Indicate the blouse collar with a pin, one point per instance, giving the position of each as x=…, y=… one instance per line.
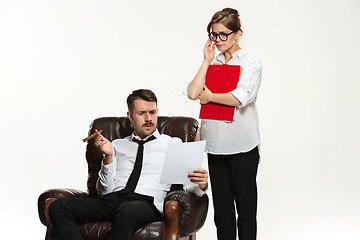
x=239, y=54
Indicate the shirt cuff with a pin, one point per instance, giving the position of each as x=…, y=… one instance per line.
x=195, y=189
x=241, y=95
x=107, y=169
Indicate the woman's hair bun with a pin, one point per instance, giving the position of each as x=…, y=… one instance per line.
x=231, y=11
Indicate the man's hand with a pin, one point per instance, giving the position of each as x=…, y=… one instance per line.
x=200, y=177
x=104, y=146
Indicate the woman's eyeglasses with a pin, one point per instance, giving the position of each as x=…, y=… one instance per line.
x=222, y=36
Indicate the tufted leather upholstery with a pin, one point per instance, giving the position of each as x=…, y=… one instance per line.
x=191, y=209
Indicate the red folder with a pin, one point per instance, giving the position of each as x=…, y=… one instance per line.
x=220, y=79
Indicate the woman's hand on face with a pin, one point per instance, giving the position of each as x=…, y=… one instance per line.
x=209, y=50
x=205, y=96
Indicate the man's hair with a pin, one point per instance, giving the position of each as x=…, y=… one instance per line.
x=144, y=94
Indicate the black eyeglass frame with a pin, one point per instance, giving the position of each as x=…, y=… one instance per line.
x=219, y=35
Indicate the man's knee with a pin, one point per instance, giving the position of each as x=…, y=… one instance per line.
x=125, y=213
x=58, y=208
x=135, y=214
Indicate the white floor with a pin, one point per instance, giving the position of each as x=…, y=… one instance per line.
x=29, y=227
x=296, y=227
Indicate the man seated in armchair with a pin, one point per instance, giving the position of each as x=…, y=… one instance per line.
x=128, y=182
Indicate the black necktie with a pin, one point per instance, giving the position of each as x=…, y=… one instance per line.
x=135, y=174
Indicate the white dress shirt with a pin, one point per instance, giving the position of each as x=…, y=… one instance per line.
x=114, y=176
x=242, y=134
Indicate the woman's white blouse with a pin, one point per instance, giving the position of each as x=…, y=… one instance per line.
x=242, y=134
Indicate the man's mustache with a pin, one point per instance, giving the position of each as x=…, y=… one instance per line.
x=148, y=124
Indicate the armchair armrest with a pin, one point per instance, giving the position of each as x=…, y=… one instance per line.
x=56, y=193
x=192, y=210
x=172, y=212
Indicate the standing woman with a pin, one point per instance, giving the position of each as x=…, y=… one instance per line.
x=232, y=147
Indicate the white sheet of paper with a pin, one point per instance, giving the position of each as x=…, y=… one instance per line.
x=182, y=158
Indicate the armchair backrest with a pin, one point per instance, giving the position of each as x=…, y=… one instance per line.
x=119, y=127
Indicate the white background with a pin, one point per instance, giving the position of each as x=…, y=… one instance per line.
x=65, y=63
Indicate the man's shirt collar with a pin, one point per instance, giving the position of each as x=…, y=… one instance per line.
x=155, y=133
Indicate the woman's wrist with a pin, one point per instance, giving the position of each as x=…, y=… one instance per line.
x=206, y=62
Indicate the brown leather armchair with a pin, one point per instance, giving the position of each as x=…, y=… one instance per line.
x=184, y=212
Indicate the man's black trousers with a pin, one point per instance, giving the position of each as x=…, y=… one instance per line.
x=127, y=212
